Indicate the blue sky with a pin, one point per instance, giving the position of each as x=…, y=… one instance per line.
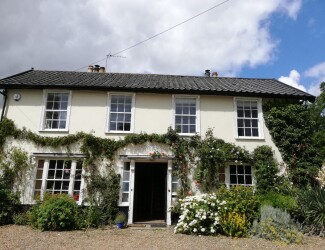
x=282, y=39
x=301, y=44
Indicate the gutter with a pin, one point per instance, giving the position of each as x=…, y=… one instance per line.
x=4, y=93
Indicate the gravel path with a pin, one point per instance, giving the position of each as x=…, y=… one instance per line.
x=22, y=237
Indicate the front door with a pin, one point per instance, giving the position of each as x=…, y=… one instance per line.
x=149, y=191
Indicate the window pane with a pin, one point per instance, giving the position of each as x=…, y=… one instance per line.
x=240, y=132
x=38, y=184
x=254, y=113
x=51, y=174
x=126, y=176
x=127, y=126
x=247, y=113
x=233, y=179
x=240, y=113
x=248, y=169
x=254, y=123
x=247, y=123
x=232, y=169
x=125, y=197
x=241, y=179
x=240, y=169
x=77, y=185
x=125, y=186
x=174, y=187
x=113, y=107
x=39, y=174
x=192, y=129
x=128, y=117
x=50, y=185
x=254, y=105
x=248, y=132
x=240, y=104
x=240, y=122
x=255, y=131
x=248, y=180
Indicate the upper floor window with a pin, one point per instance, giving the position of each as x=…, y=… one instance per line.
x=248, y=118
x=56, y=111
x=120, y=113
x=58, y=176
x=186, y=111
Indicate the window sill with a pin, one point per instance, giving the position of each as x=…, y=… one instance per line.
x=125, y=204
x=188, y=135
x=250, y=138
x=54, y=131
x=118, y=132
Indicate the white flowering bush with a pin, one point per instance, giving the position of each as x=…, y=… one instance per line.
x=200, y=214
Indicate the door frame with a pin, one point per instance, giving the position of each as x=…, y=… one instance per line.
x=168, y=188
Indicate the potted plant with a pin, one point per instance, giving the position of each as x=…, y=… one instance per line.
x=120, y=219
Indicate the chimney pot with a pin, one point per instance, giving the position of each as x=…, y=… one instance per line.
x=102, y=70
x=90, y=68
x=96, y=68
x=215, y=74
x=207, y=73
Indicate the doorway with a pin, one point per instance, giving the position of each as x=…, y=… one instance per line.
x=150, y=192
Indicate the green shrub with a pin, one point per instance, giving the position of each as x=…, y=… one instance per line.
x=242, y=200
x=8, y=206
x=57, y=212
x=234, y=224
x=266, y=169
x=20, y=219
x=312, y=207
x=276, y=225
x=241, y=210
x=90, y=217
x=284, y=202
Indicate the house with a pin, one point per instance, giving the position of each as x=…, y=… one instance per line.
x=112, y=105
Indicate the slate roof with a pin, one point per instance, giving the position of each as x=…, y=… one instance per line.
x=153, y=83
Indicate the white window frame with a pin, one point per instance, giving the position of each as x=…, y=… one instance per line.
x=121, y=203
x=43, y=115
x=198, y=120
x=44, y=178
x=107, y=126
x=177, y=182
x=260, y=122
x=227, y=174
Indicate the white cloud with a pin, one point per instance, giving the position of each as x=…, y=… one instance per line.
x=317, y=73
x=69, y=34
x=293, y=80
x=291, y=7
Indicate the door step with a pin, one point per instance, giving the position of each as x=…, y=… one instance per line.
x=148, y=226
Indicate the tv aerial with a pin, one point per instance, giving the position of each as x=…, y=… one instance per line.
x=110, y=56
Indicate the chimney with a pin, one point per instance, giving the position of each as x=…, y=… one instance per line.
x=102, y=70
x=207, y=73
x=96, y=68
x=214, y=74
x=90, y=68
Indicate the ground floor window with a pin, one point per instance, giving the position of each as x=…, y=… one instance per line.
x=59, y=176
x=240, y=175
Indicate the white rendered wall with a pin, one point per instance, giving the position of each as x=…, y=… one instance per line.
x=153, y=114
